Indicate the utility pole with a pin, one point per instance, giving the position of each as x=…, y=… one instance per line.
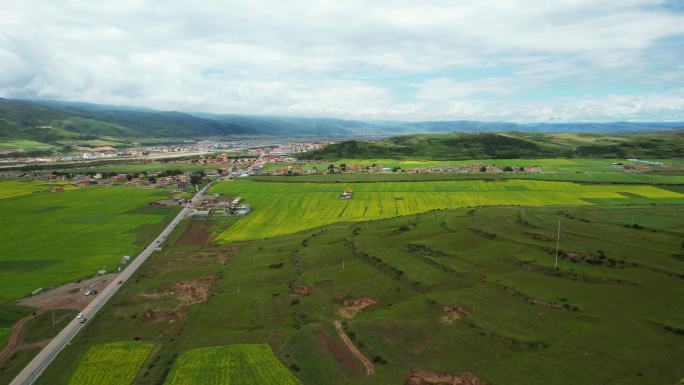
x=557, y=244
x=523, y=214
x=238, y=286
x=343, y=263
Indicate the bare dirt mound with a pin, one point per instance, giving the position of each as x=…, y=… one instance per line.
x=354, y=306
x=453, y=313
x=302, y=290
x=424, y=377
x=370, y=368
x=186, y=292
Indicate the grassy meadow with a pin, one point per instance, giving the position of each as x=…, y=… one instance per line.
x=115, y=363
x=285, y=208
x=596, y=320
x=242, y=364
x=24, y=145
x=52, y=238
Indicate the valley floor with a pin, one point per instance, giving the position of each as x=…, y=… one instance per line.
x=469, y=292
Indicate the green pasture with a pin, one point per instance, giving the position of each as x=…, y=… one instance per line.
x=286, y=208
x=547, y=165
x=115, y=363
x=52, y=238
x=612, y=313
x=24, y=145
x=583, y=177
x=139, y=167
x=230, y=365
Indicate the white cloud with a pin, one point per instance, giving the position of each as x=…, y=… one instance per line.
x=316, y=57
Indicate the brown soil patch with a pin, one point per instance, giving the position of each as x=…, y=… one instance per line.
x=302, y=290
x=453, y=313
x=68, y=296
x=354, y=306
x=186, y=292
x=370, y=369
x=197, y=233
x=424, y=377
x=341, y=353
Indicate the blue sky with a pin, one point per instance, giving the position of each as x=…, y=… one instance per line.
x=522, y=60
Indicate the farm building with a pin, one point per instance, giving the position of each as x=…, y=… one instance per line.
x=346, y=194
x=243, y=210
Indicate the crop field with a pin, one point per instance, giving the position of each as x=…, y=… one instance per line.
x=547, y=165
x=139, y=167
x=470, y=289
x=230, y=365
x=52, y=238
x=671, y=179
x=285, y=208
x=115, y=363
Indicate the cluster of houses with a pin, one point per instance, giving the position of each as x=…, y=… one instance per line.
x=286, y=149
x=218, y=205
x=477, y=168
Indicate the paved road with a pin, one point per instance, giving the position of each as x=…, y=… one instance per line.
x=36, y=367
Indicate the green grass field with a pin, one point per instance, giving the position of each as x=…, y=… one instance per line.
x=669, y=179
x=230, y=365
x=285, y=208
x=52, y=238
x=547, y=165
x=557, y=165
x=139, y=167
x=115, y=363
x=24, y=145
x=611, y=314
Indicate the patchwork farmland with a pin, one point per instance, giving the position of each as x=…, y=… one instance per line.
x=448, y=292
x=285, y=208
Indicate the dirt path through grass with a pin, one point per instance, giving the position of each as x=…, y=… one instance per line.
x=370, y=369
x=15, y=338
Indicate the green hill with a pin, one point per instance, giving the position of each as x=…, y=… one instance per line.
x=661, y=144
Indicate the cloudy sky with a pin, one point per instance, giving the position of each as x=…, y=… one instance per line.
x=523, y=60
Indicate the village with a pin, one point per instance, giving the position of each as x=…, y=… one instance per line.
x=298, y=169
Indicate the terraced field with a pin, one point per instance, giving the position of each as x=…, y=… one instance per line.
x=52, y=238
x=115, y=363
x=285, y=208
x=230, y=365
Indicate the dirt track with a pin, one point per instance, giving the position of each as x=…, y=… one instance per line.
x=370, y=368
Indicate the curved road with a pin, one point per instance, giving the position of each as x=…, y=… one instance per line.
x=41, y=361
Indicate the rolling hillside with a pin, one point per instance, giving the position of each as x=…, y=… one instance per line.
x=660, y=144
x=62, y=123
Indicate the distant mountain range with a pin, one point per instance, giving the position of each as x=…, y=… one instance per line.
x=61, y=122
